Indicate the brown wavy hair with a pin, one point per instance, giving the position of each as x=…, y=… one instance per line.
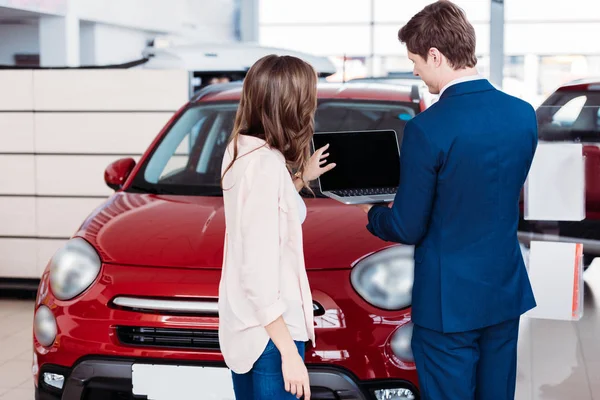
x=278, y=104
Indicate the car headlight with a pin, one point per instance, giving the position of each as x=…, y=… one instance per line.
x=44, y=326
x=385, y=279
x=73, y=269
x=401, y=343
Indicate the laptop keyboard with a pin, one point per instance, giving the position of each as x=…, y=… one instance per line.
x=365, y=192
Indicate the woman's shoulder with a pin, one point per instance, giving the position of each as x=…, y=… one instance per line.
x=255, y=159
x=265, y=161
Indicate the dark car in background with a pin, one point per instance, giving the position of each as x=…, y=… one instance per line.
x=572, y=114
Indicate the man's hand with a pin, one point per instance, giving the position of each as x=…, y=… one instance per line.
x=365, y=207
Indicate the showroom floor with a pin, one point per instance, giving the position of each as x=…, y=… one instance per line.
x=557, y=360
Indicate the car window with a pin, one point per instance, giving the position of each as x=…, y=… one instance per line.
x=336, y=116
x=570, y=116
x=567, y=114
x=188, y=158
x=185, y=153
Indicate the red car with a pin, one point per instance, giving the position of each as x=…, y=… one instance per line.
x=133, y=294
x=572, y=114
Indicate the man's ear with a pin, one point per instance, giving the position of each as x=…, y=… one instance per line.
x=435, y=56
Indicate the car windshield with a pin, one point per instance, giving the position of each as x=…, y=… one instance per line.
x=187, y=161
x=570, y=115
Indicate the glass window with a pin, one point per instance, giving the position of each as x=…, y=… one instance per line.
x=186, y=153
x=188, y=159
x=314, y=11
x=334, y=116
x=386, y=39
x=319, y=40
x=402, y=11
x=570, y=116
x=519, y=10
x=567, y=114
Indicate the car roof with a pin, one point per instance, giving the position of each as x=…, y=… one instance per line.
x=326, y=91
x=581, y=85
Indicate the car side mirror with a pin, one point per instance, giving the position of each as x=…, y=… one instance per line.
x=117, y=173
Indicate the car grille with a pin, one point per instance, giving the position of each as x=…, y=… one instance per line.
x=171, y=338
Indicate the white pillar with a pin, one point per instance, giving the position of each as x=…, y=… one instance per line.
x=531, y=78
x=87, y=43
x=248, y=20
x=59, y=41
x=497, y=42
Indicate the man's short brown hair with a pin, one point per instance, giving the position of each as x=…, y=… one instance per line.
x=442, y=25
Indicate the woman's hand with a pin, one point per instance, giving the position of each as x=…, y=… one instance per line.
x=317, y=165
x=295, y=375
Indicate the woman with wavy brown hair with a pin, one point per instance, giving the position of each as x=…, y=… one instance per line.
x=265, y=303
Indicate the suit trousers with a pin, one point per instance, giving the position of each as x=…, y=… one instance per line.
x=474, y=365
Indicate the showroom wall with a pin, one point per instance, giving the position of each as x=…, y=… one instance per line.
x=66, y=32
x=60, y=130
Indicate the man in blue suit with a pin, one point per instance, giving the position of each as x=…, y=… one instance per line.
x=463, y=164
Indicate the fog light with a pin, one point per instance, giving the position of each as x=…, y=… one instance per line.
x=55, y=380
x=34, y=365
x=401, y=343
x=44, y=326
x=394, y=394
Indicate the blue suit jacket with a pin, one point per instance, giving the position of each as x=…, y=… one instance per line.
x=463, y=164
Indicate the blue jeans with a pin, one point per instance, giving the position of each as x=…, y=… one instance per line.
x=265, y=380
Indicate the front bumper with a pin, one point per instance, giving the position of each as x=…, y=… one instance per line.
x=105, y=379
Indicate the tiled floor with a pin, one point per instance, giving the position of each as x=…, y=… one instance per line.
x=16, y=382
x=557, y=360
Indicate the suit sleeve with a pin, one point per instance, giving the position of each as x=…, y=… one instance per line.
x=260, y=269
x=407, y=221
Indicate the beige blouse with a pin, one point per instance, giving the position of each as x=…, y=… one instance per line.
x=264, y=275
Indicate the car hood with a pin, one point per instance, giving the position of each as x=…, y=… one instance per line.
x=188, y=231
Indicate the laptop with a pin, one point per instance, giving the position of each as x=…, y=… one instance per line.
x=367, y=166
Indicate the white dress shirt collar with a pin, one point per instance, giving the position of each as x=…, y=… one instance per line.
x=461, y=80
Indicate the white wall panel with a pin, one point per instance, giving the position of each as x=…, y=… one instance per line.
x=73, y=112
x=17, y=90
x=123, y=133
x=18, y=258
x=26, y=258
x=16, y=132
x=60, y=217
x=17, y=216
x=45, y=250
x=17, y=174
x=72, y=175
x=110, y=90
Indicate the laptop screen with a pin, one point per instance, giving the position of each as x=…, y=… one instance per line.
x=365, y=160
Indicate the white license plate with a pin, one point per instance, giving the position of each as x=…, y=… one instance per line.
x=167, y=382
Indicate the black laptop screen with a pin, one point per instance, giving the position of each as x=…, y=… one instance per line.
x=365, y=160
